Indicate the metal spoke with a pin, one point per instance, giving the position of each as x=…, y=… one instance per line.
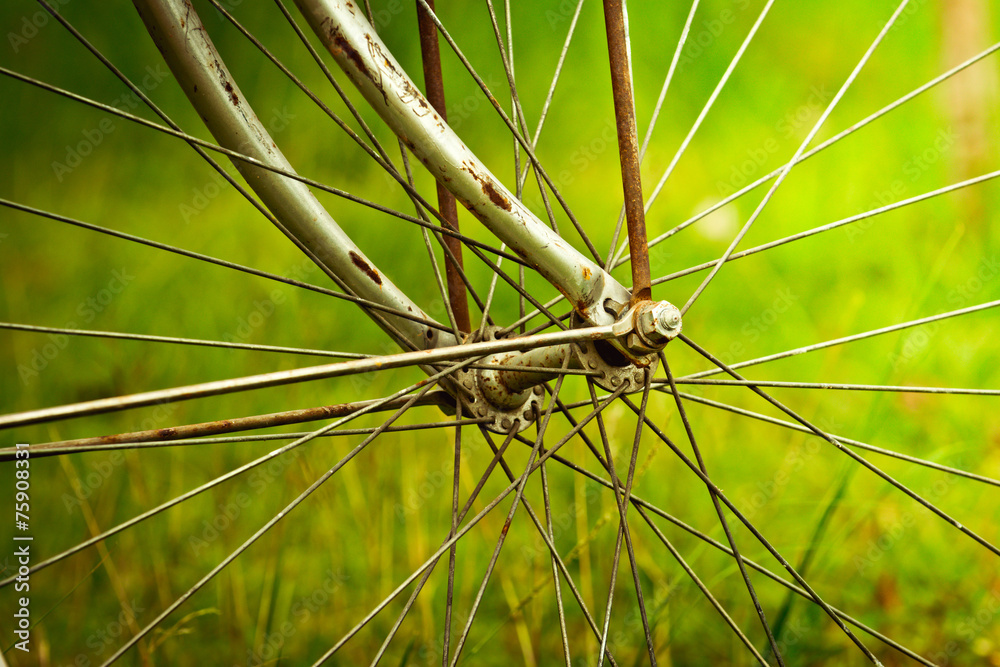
x=507, y=60
x=524, y=319
x=232, y=425
x=454, y=527
x=218, y=387
x=615, y=487
x=357, y=412
x=241, y=157
x=273, y=521
x=508, y=64
x=850, y=452
x=149, y=103
x=447, y=245
x=7, y=454
x=520, y=290
x=486, y=320
x=522, y=482
x=619, y=55
x=845, y=339
x=427, y=573
x=378, y=153
x=753, y=529
x=555, y=568
x=498, y=458
x=446, y=216
x=545, y=534
x=450, y=245
x=847, y=387
x=518, y=183
x=681, y=41
x=795, y=158
x=704, y=111
x=221, y=262
x=434, y=88
x=701, y=586
x=794, y=237
x=449, y=307
x=517, y=135
x=552, y=88
x=847, y=441
x=336, y=86
x=826, y=144
x=381, y=157
x=833, y=225
x=180, y=341
x=623, y=526
x=722, y=518
x=643, y=506
x=465, y=529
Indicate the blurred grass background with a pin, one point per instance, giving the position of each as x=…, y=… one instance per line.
x=297, y=590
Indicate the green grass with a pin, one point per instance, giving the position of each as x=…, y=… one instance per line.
x=300, y=587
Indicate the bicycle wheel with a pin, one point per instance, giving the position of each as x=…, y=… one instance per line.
x=854, y=472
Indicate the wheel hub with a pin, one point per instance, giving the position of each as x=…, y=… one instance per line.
x=507, y=388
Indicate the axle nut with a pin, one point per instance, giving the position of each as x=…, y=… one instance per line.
x=658, y=323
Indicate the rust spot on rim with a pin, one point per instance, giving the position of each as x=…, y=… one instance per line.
x=341, y=43
x=360, y=262
x=489, y=189
x=232, y=96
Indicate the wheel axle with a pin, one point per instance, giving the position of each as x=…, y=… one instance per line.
x=510, y=392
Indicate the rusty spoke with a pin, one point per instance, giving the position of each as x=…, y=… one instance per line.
x=434, y=89
x=628, y=147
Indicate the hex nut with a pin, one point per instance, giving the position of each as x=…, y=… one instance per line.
x=658, y=323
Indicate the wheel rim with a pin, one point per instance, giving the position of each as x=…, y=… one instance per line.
x=789, y=637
